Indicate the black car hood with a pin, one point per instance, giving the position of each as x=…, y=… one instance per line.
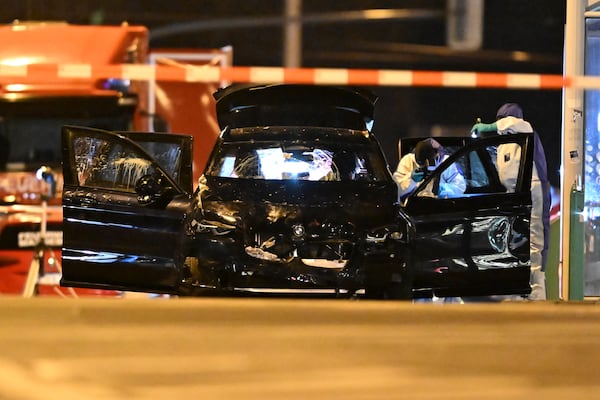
x=257, y=201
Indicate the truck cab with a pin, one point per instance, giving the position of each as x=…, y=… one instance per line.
x=34, y=107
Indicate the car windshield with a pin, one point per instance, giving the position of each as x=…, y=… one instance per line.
x=309, y=160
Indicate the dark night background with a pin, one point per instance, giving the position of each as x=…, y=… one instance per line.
x=254, y=31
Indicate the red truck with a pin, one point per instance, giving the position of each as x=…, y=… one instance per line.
x=33, y=112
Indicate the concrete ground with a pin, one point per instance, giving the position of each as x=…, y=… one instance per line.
x=248, y=348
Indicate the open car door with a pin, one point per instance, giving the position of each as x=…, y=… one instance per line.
x=124, y=200
x=474, y=243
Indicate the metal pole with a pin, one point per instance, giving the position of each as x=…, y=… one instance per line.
x=293, y=34
x=572, y=136
x=464, y=24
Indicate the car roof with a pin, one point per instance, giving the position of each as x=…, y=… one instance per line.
x=240, y=106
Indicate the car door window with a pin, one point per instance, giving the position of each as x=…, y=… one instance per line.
x=486, y=170
x=167, y=155
x=109, y=164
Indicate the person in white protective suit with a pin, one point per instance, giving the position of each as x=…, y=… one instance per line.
x=412, y=168
x=509, y=119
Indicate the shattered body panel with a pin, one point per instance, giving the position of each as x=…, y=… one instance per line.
x=292, y=202
x=306, y=235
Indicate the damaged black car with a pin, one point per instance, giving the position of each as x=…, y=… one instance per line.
x=296, y=198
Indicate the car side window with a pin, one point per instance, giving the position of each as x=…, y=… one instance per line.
x=449, y=182
x=486, y=170
x=167, y=155
x=110, y=165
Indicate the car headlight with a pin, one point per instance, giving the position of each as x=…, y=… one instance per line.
x=390, y=232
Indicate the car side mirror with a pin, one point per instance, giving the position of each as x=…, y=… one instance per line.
x=151, y=189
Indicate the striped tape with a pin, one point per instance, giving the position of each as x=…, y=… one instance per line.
x=46, y=73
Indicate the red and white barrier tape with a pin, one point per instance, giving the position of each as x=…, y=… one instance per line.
x=327, y=76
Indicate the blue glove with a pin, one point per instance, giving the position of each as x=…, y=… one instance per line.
x=417, y=175
x=481, y=128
